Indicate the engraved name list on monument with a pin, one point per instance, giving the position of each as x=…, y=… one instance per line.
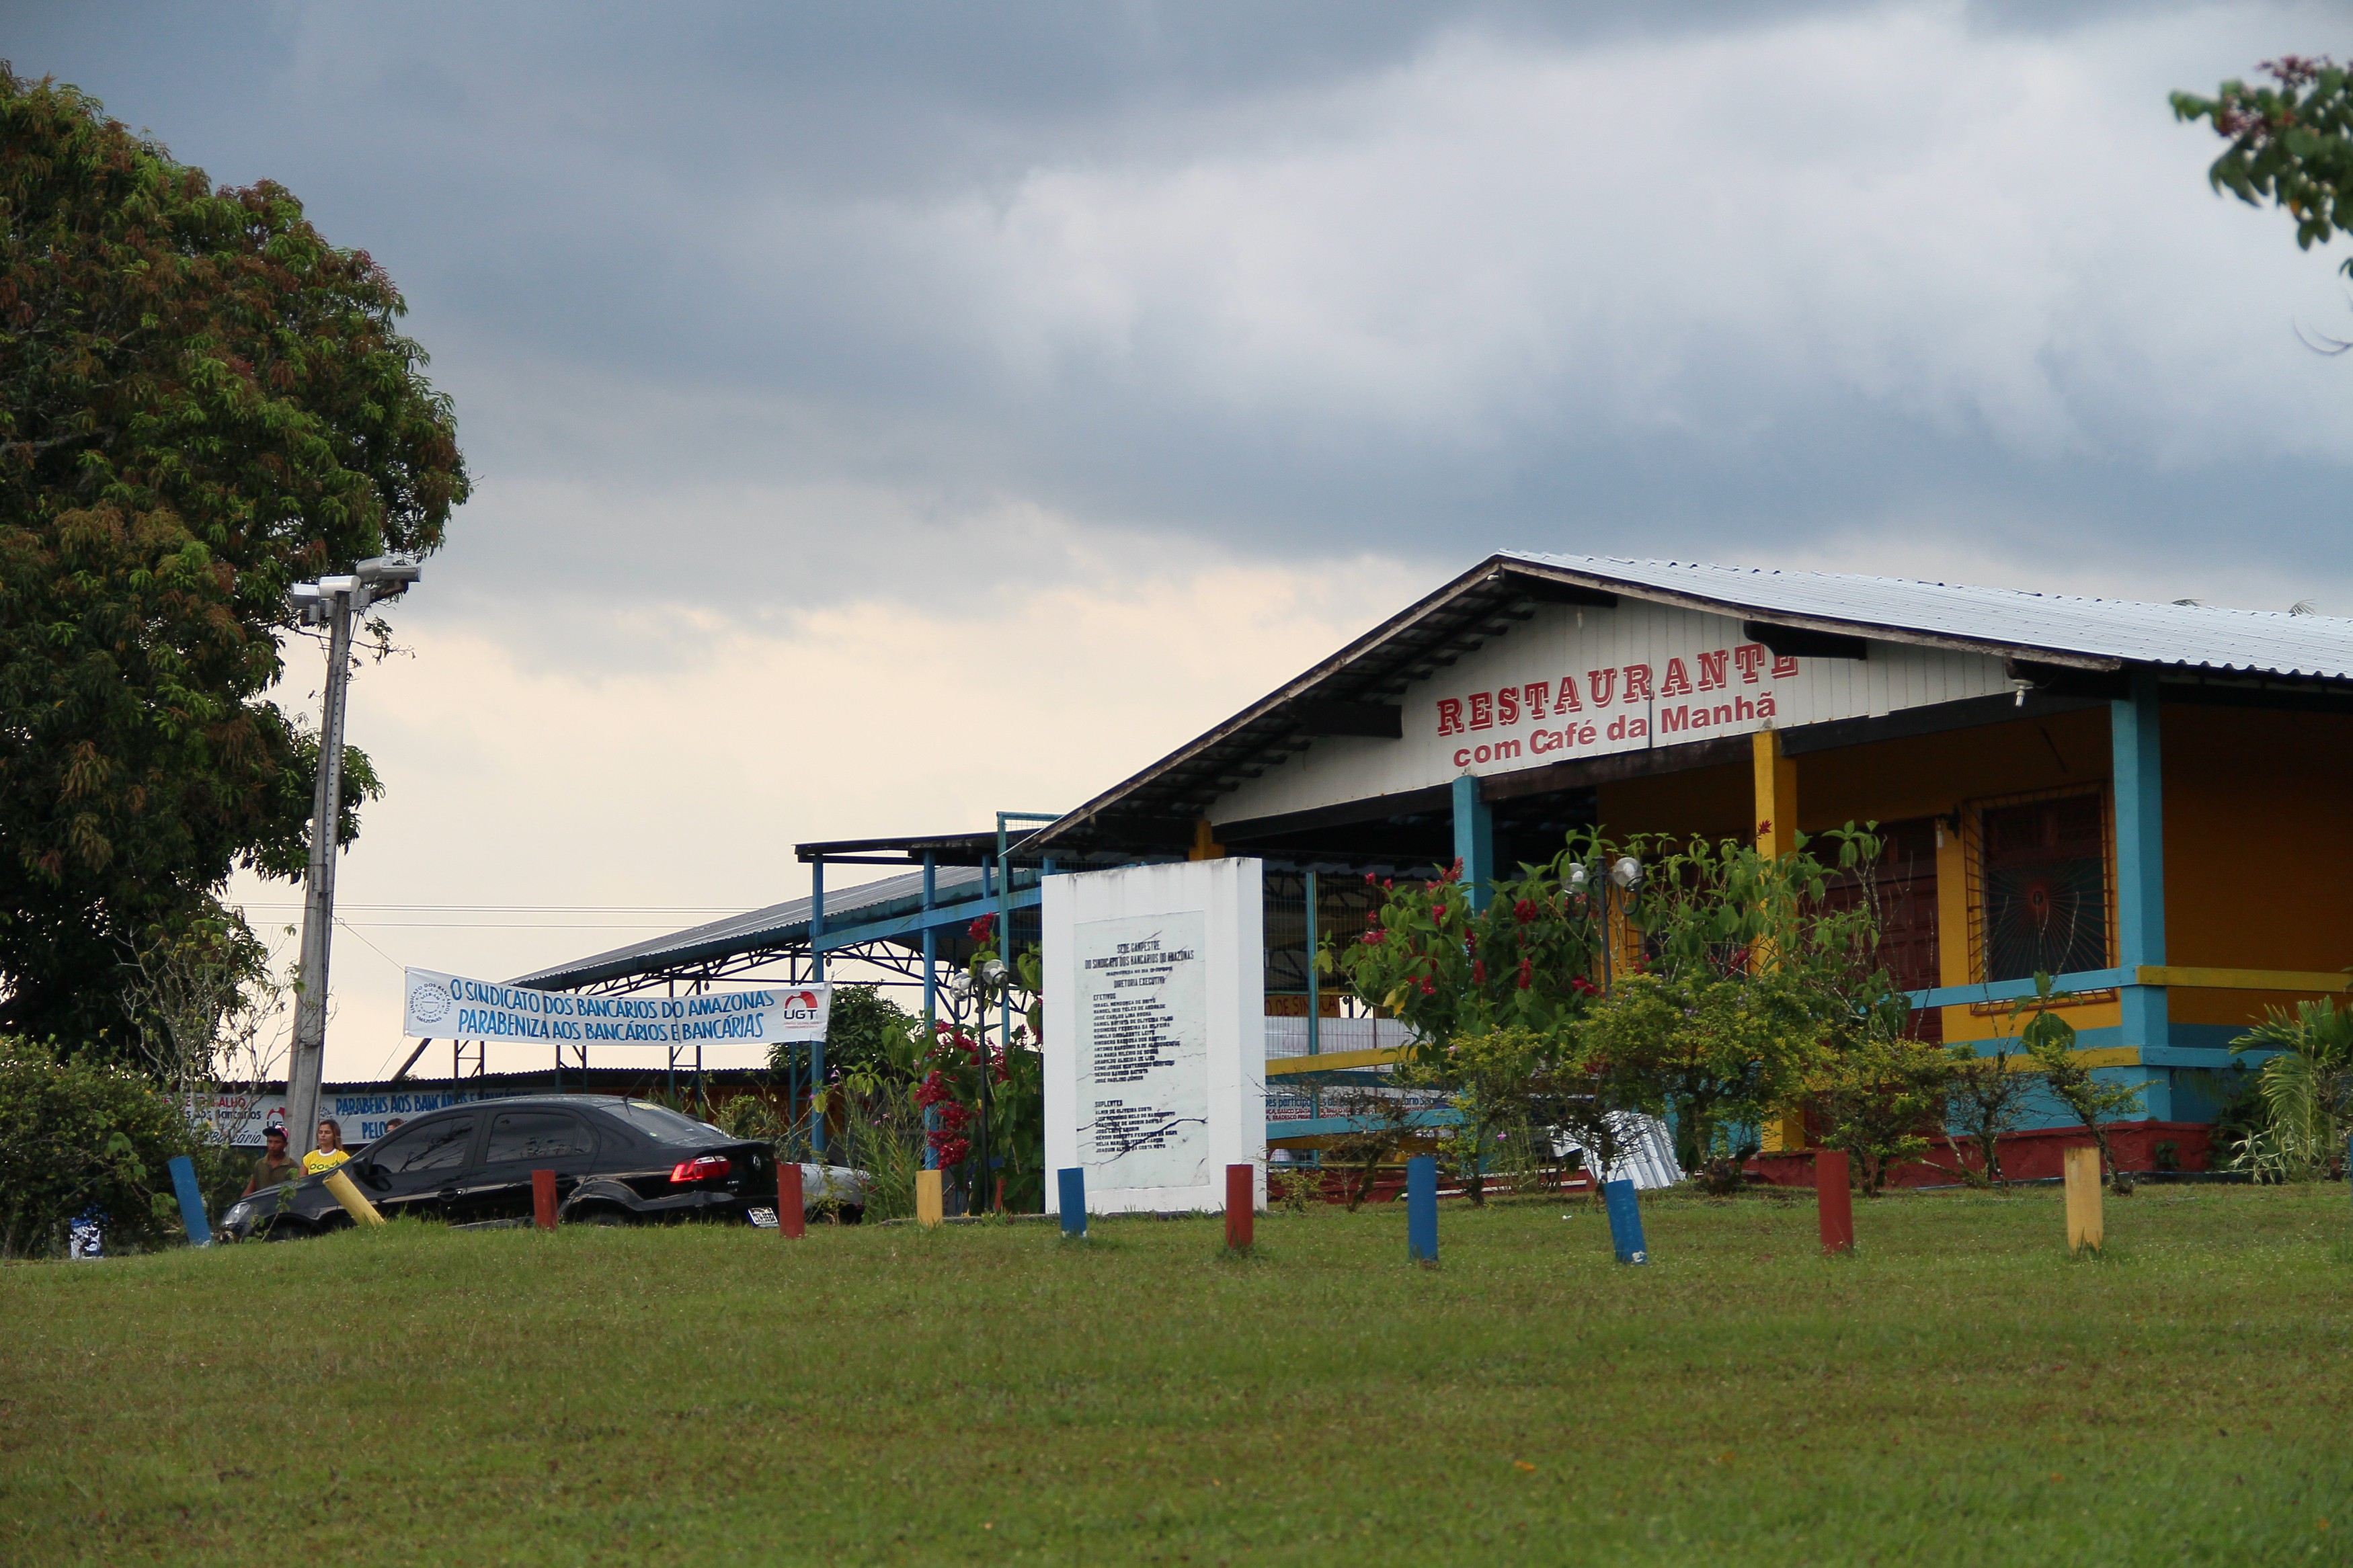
x=1143, y=1069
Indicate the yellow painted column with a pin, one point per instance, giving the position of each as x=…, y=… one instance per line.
x=1775, y=816
x=346, y=1191
x=1777, y=796
x=1952, y=919
x=1205, y=844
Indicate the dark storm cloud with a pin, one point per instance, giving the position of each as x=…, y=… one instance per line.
x=1294, y=280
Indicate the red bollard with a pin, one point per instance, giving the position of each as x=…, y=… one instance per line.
x=1835, y=1202
x=1241, y=1205
x=542, y=1199
x=792, y=1214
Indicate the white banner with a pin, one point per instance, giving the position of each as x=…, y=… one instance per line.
x=452, y=1007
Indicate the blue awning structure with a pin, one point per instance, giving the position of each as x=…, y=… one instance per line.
x=883, y=921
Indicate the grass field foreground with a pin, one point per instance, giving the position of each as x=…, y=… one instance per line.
x=1960, y=1392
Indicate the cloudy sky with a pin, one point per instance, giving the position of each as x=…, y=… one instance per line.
x=884, y=414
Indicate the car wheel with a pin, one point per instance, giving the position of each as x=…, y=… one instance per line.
x=605, y=1217
x=283, y=1230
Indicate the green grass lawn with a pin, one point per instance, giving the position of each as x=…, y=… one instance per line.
x=1959, y=1393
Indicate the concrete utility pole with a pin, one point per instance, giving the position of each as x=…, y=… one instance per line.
x=331, y=602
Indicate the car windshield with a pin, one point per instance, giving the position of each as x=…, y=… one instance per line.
x=664, y=1125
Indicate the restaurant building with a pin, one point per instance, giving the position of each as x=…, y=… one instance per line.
x=2148, y=801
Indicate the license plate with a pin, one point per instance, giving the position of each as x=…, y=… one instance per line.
x=765, y=1218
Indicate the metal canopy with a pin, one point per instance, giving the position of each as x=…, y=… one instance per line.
x=778, y=931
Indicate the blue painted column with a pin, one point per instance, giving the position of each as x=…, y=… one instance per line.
x=816, y=1048
x=1625, y=1208
x=2140, y=856
x=1421, y=1208
x=1474, y=839
x=191, y=1201
x=931, y=991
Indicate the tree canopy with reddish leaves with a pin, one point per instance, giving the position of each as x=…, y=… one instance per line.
x=2290, y=143
x=202, y=402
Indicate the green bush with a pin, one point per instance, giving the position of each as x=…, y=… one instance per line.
x=77, y=1135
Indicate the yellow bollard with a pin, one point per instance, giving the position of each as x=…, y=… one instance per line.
x=354, y=1202
x=2084, y=1225
x=930, y=1209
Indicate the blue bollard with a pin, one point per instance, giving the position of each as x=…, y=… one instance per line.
x=1625, y=1221
x=191, y=1201
x=1421, y=1208
x=1073, y=1202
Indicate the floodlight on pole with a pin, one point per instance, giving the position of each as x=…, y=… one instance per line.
x=331, y=602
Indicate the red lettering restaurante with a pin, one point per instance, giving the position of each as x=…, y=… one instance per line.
x=1718, y=670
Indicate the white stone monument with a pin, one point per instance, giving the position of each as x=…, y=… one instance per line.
x=1155, y=1033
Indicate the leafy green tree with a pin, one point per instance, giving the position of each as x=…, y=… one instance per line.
x=2049, y=1042
x=1733, y=975
x=2290, y=143
x=202, y=402
x=1877, y=1094
x=1716, y=1054
x=1448, y=971
x=866, y=1033
x=1748, y=977
x=1988, y=1096
x=1487, y=1079
x=80, y=1135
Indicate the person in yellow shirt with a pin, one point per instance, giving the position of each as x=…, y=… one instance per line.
x=330, y=1152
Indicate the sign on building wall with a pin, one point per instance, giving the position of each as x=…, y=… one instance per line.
x=452, y=1007
x=1156, y=1040
x=1582, y=682
x=363, y=1115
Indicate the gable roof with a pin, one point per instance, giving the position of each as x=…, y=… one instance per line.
x=1349, y=692
x=2011, y=622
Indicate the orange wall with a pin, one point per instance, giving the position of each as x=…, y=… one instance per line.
x=2258, y=859
x=1931, y=776
x=1710, y=802
x=2258, y=828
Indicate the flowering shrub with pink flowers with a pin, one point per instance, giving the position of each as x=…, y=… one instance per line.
x=969, y=1070
x=1530, y=960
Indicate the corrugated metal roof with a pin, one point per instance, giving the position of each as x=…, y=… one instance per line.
x=2189, y=636
x=774, y=926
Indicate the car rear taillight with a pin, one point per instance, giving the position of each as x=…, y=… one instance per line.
x=708, y=1168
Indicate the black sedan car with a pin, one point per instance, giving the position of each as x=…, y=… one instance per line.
x=617, y=1162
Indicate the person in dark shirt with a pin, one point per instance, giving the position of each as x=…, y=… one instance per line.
x=276, y=1166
